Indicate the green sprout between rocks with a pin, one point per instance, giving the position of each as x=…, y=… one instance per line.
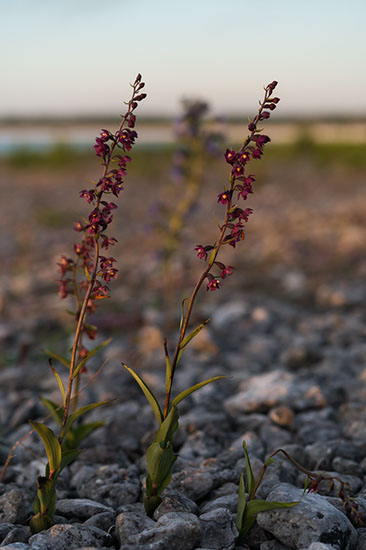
x=249, y=507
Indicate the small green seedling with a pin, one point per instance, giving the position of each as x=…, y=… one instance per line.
x=249, y=508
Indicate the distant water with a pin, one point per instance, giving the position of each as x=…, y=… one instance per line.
x=82, y=136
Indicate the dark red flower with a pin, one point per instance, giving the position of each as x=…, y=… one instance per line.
x=224, y=197
x=230, y=156
x=78, y=226
x=64, y=289
x=201, y=252
x=257, y=154
x=243, y=157
x=238, y=169
x=89, y=195
x=226, y=271
x=105, y=136
x=101, y=148
x=109, y=274
x=65, y=264
x=272, y=85
x=213, y=284
x=106, y=263
x=108, y=241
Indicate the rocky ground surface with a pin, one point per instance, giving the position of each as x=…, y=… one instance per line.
x=288, y=329
x=297, y=382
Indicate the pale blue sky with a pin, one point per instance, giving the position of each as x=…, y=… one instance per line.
x=78, y=56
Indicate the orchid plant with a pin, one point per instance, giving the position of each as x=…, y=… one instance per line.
x=85, y=278
x=160, y=455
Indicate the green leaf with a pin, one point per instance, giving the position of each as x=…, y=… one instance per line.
x=91, y=353
x=75, y=415
x=36, y=505
x=256, y=506
x=59, y=358
x=306, y=484
x=246, y=527
x=232, y=209
x=217, y=223
x=190, y=336
x=67, y=457
x=187, y=392
x=52, y=407
x=51, y=445
x=250, y=476
x=168, y=426
x=213, y=254
x=160, y=462
x=253, y=508
x=242, y=502
x=46, y=493
x=87, y=274
x=59, y=381
x=270, y=461
x=148, y=394
x=168, y=369
x=182, y=313
x=83, y=431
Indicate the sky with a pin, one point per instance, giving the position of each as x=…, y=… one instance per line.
x=77, y=57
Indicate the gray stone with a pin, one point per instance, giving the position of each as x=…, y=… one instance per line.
x=76, y=535
x=228, y=313
x=130, y=523
x=313, y=520
x=195, y=483
x=5, y=528
x=219, y=530
x=300, y=354
x=16, y=546
x=320, y=546
x=19, y=533
x=112, y=486
x=273, y=545
x=80, y=508
x=103, y=521
x=174, y=530
x=12, y=507
x=227, y=501
x=361, y=541
x=261, y=393
x=174, y=501
x=346, y=466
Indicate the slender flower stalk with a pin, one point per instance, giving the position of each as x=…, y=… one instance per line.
x=252, y=148
x=100, y=218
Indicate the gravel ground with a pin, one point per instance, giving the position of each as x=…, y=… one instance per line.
x=288, y=328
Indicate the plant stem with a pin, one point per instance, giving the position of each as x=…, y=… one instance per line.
x=93, y=275
x=217, y=247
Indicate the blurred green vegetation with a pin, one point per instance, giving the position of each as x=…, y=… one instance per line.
x=150, y=160
x=58, y=156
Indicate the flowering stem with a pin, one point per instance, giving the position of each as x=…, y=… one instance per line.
x=77, y=336
x=90, y=287
x=192, y=301
x=251, y=137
